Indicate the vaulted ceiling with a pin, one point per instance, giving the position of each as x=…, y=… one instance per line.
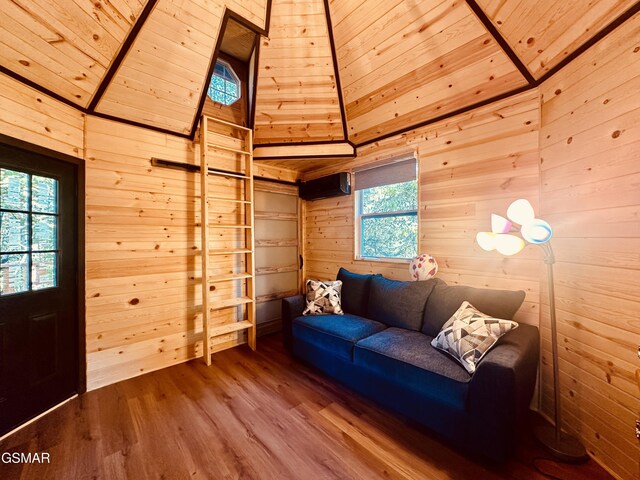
x=329, y=70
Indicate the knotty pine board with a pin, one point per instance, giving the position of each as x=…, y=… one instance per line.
x=590, y=174
x=36, y=118
x=543, y=33
x=66, y=46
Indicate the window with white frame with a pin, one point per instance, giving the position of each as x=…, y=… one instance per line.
x=387, y=211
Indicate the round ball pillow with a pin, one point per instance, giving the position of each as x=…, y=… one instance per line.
x=423, y=267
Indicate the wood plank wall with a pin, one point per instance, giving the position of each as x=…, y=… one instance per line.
x=590, y=191
x=142, y=253
x=470, y=166
x=31, y=116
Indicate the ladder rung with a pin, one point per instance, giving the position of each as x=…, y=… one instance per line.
x=234, y=302
x=227, y=252
x=234, y=125
x=232, y=200
x=275, y=216
x=223, y=135
x=228, y=149
x=229, y=328
x=228, y=225
x=228, y=277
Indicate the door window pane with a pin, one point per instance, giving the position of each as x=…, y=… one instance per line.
x=43, y=270
x=14, y=190
x=44, y=194
x=28, y=232
x=14, y=273
x=14, y=232
x=43, y=232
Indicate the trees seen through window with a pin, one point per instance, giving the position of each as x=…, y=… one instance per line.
x=225, y=85
x=388, y=217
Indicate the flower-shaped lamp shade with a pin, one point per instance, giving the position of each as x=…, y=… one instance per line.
x=536, y=231
x=509, y=244
x=486, y=240
x=500, y=224
x=423, y=267
x=504, y=243
x=521, y=212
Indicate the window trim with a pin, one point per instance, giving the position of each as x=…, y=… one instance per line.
x=358, y=208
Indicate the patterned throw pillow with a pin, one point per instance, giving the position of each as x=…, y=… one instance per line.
x=469, y=334
x=323, y=298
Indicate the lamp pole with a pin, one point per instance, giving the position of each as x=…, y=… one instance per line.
x=536, y=231
x=564, y=447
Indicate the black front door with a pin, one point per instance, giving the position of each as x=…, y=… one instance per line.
x=38, y=285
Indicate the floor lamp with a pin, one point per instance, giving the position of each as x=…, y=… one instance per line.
x=520, y=213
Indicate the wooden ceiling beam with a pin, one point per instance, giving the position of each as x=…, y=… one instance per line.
x=497, y=36
x=336, y=73
x=333, y=149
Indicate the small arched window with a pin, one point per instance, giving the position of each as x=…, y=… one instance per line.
x=225, y=85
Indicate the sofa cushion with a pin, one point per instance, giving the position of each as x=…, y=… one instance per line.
x=445, y=300
x=407, y=358
x=323, y=298
x=355, y=292
x=398, y=304
x=469, y=334
x=335, y=333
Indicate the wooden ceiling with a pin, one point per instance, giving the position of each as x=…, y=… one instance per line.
x=65, y=47
x=544, y=32
x=402, y=60
x=238, y=41
x=162, y=78
x=329, y=70
x=297, y=96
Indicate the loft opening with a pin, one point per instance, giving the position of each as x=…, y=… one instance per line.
x=229, y=90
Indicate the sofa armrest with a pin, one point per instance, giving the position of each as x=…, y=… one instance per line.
x=502, y=386
x=292, y=307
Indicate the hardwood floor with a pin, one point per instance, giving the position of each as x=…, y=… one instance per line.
x=261, y=415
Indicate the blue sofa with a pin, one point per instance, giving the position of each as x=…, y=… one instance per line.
x=381, y=348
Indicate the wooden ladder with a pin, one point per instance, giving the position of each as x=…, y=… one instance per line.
x=226, y=184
